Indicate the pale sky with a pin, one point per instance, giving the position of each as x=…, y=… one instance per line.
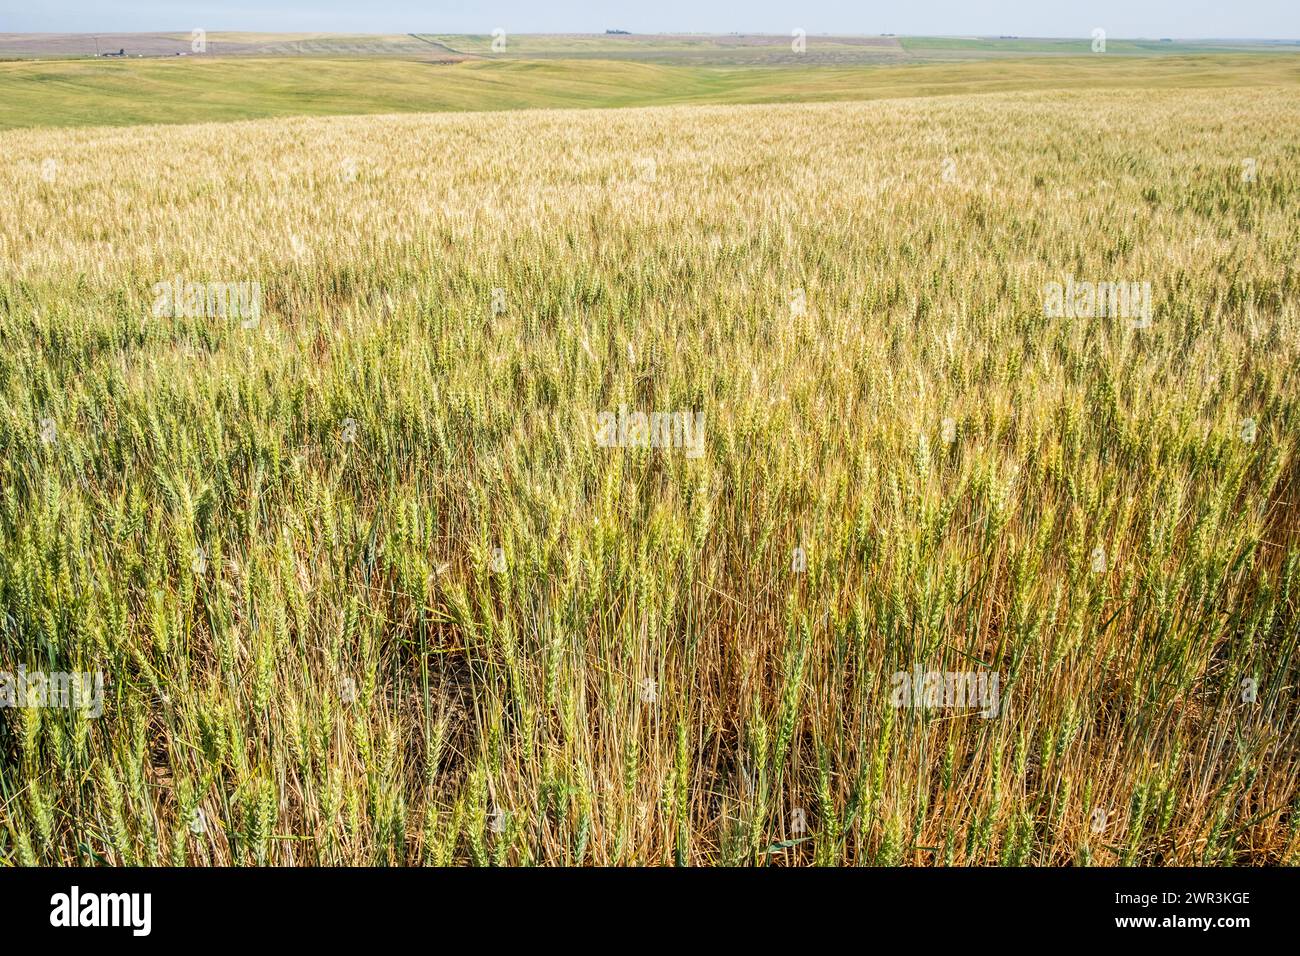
x=1182, y=19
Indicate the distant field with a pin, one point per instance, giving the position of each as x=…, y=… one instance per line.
x=692, y=49
x=77, y=45
x=103, y=92
x=971, y=47
x=688, y=49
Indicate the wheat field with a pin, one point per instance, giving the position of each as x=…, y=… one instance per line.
x=365, y=586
